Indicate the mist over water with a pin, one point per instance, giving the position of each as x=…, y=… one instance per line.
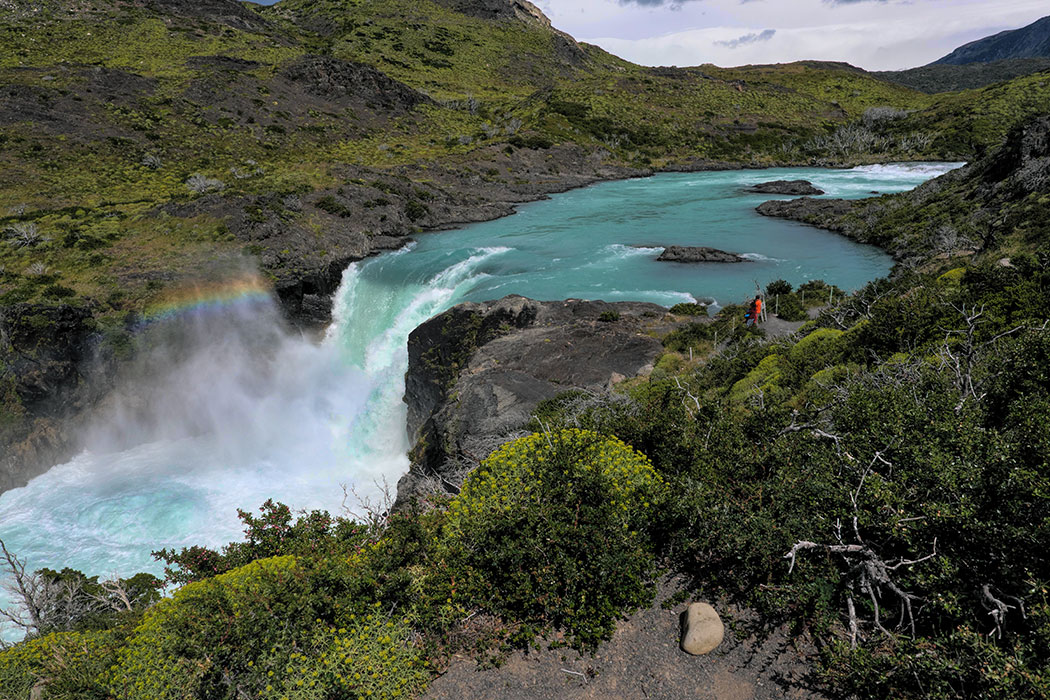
x=225, y=407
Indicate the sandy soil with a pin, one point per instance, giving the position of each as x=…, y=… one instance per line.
x=643, y=661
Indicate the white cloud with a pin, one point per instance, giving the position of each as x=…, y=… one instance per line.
x=873, y=34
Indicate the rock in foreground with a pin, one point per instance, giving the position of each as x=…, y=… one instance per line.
x=698, y=254
x=702, y=629
x=792, y=187
x=477, y=371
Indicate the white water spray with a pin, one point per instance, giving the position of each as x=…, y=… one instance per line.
x=225, y=410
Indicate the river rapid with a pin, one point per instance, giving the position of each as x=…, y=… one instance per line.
x=232, y=408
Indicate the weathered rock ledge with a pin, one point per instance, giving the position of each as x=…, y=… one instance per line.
x=477, y=371
x=698, y=254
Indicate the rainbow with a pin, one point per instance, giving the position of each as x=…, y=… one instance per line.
x=208, y=298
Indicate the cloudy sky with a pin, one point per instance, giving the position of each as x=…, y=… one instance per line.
x=873, y=34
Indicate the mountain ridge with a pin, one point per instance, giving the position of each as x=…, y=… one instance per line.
x=1031, y=41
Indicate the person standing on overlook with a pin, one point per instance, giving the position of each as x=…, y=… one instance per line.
x=754, y=311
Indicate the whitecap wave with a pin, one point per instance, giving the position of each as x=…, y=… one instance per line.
x=907, y=170
x=758, y=257
x=655, y=296
x=630, y=251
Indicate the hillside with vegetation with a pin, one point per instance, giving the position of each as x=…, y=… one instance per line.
x=943, y=77
x=877, y=480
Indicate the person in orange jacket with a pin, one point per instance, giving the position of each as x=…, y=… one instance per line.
x=754, y=312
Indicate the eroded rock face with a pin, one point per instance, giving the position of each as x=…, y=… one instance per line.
x=480, y=370
x=698, y=254
x=335, y=80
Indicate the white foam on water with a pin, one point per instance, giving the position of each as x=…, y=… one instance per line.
x=664, y=297
x=630, y=251
x=758, y=257
x=906, y=170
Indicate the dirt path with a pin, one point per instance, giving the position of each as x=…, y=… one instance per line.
x=642, y=662
x=776, y=327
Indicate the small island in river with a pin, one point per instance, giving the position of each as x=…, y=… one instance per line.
x=792, y=187
x=698, y=254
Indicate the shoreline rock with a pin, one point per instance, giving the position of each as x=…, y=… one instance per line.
x=698, y=254
x=824, y=213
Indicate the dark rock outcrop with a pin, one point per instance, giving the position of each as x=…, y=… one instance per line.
x=228, y=12
x=335, y=80
x=479, y=370
x=43, y=352
x=792, y=187
x=818, y=212
x=698, y=254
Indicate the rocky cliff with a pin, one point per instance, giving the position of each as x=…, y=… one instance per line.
x=44, y=356
x=477, y=371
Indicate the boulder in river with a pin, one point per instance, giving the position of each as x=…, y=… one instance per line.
x=698, y=254
x=477, y=371
x=792, y=187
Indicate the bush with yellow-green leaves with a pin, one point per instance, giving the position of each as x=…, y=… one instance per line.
x=553, y=531
x=252, y=632
x=66, y=664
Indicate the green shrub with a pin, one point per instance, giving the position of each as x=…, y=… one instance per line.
x=333, y=206
x=370, y=656
x=777, y=287
x=689, y=335
x=789, y=308
x=415, y=210
x=761, y=380
x=689, y=309
x=533, y=141
x=821, y=348
x=551, y=531
x=609, y=316
x=212, y=631
x=270, y=534
x=270, y=629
